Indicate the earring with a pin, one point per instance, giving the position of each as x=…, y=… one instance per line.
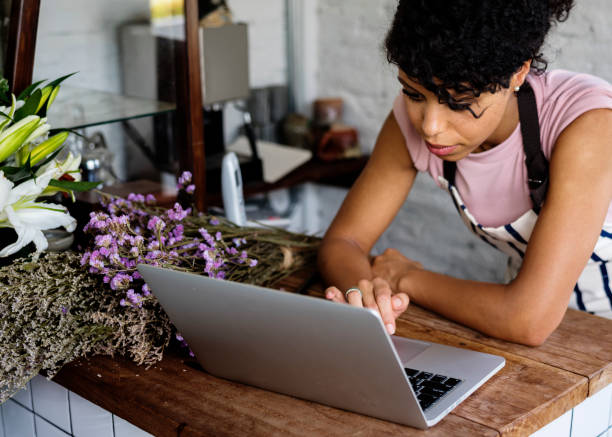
x=517, y=88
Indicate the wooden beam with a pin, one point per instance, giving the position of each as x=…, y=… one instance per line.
x=189, y=100
x=23, y=25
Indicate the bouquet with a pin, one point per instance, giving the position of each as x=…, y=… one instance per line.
x=64, y=306
x=33, y=167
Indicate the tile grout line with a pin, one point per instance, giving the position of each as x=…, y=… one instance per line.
x=51, y=423
x=70, y=413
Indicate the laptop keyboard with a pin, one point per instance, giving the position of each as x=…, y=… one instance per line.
x=430, y=387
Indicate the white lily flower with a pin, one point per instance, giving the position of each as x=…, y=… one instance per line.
x=20, y=211
x=56, y=169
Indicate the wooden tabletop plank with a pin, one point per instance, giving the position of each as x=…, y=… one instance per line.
x=569, y=347
x=176, y=398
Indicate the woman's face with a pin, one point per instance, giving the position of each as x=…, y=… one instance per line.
x=452, y=134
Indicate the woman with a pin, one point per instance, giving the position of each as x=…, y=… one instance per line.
x=526, y=157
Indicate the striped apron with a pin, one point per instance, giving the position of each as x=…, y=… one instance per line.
x=592, y=292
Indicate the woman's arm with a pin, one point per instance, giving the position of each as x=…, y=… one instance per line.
x=529, y=308
x=367, y=211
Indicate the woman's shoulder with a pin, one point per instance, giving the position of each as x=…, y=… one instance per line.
x=562, y=96
x=562, y=86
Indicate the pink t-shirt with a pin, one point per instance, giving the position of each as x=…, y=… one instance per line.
x=493, y=183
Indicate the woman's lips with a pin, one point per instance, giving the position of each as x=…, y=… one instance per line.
x=439, y=150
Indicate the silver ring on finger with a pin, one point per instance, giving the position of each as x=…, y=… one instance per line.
x=350, y=290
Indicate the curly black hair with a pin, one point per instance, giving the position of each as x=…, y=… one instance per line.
x=470, y=46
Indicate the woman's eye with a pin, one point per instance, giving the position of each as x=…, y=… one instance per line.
x=412, y=96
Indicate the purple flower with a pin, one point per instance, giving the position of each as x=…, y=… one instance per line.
x=95, y=261
x=136, y=198
x=190, y=188
x=252, y=262
x=214, y=221
x=156, y=224
x=150, y=199
x=218, y=236
x=178, y=213
x=185, y=178
x=104, y=240
x=120, y=281
x=146, y=290
x=64, y=309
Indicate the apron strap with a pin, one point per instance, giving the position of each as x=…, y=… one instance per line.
x=537, y=165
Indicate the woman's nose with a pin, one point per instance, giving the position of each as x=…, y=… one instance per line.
x=433, y=119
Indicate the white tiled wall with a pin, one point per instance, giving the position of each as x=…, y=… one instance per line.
x=24, y=397
x=1, y=424
x=18, y=421
x=46, y=409
x=560, y=427
x=46, y=429
x=89, y=420
x=50, y=401
x=592, y=416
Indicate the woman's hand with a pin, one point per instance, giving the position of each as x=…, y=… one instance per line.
x=376, y=296
x=392, y=265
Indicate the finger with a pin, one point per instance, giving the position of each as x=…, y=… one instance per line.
x=400, y=302
x=367, y=289
x=335, y=295
x=382, y=292
x=355, y=298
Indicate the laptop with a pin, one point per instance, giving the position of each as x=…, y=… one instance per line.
x=315, y=349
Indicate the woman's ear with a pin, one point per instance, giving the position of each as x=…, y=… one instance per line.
x=520, y=76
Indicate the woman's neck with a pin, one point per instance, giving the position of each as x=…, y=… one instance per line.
x=507, y=125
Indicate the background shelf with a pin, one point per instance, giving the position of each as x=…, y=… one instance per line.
x=79, y=107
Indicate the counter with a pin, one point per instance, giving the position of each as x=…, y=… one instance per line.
x=537, y=385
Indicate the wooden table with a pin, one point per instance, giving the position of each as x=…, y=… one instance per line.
x=537, y=385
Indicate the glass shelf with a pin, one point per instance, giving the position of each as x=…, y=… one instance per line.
x=80, y=107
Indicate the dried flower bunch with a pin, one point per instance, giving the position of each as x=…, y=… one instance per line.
x=134, y=231
x=52, y=311
x=65, y=306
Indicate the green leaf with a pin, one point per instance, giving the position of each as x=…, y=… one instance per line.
x=9, y=169
x=17, y=174
x=30, y=106
x=26, y=93
x=61, y=79
x=73, y=185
